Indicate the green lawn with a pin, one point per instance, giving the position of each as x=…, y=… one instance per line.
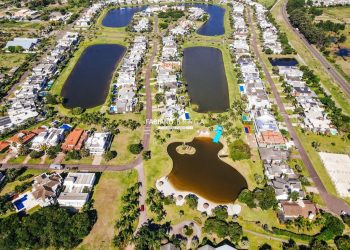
x=267, y=3
x=10, y=60
x=121, y=143
x=107, y=201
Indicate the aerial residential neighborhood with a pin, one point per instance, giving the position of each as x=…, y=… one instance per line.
x=175, y=124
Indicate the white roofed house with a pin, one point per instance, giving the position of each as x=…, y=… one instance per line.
x=27, y=44
x=50, y=137
x=98, y=143
x=77, y=188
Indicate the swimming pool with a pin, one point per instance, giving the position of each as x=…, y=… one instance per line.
x=19, y=203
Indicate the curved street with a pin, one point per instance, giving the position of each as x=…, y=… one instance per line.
x=328, y=67
x=334, y=204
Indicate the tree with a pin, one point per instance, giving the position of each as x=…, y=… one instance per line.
x=84, y=152
x=192, y=201
x=333, y=227
x=266, y=197
x=235, y=231
x=150, y=235
x=342, y=242
x=319, y=245
x=290, y=245
x=239, y=150
x=109, y=155
x=294, y=195
x=36, y=154
x=146, y=155
x=49, y=227
x=159, y=98
x=265, y=247
x=135, y=148
x=220, y=212
x=247, y=197
x=74, y=155
x=51, y=99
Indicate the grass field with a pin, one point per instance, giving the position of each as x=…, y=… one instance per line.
x=10, y=60
x=106, y=196
x=267, y=3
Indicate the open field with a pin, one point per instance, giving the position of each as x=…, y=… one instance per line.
x=10, y=60
x=328, y=83
x=107, y=201
x=267, y=3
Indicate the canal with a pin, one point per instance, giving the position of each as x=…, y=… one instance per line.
x=88, y=84
x=203, y=173
x=204, y=72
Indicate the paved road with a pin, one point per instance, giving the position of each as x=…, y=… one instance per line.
x=148, y=128
x=334, y=204
x=328, y=67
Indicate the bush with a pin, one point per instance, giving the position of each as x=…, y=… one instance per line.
x=109, y=155
x=342, y=242
x=146, y=155
x=333, y=227
x=291, y=235
x=36, y=154
x=25, y=177
x=239, y=150
x=266, y=197
x=192, y=201
x=247, y=197
x=136, y=148
x=74, y=155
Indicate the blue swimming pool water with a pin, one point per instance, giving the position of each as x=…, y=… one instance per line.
x=19, y=203
x=218, y=130
x=66, y=127
x=241, y=88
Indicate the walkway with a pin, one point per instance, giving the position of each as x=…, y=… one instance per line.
x=334, y=204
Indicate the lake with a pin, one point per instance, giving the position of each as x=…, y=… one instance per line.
x=203, y=173
x=283, y=61
x=120, y=17
x=204, y=72
x=88, y=84
x=215, y=24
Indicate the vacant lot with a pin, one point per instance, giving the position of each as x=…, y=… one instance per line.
x=10, y=60
x=107, y=195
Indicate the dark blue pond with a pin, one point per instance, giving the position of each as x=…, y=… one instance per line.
x=283, y=61
x=343, y=52
x=204, y=71
x=120, y=17
x=88, y=84
x=215, y=24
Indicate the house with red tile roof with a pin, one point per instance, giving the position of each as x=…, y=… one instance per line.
x=4, y=145
x=23, y=137
x=75, y=140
